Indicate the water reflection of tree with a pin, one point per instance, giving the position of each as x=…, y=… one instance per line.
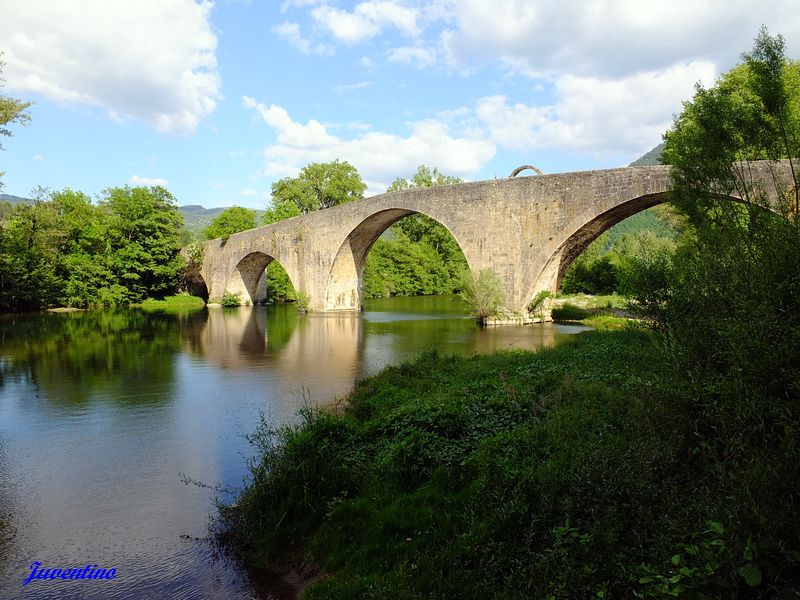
x=123, y=355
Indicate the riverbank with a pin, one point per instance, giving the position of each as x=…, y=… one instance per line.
x=572, y=472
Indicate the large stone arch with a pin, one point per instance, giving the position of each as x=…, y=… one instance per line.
x=249, y=279
x=580, y=234
x=344, y=288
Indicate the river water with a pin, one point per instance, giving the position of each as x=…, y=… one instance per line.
x=105, y=415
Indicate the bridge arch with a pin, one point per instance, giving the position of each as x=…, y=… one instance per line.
x=249, y=277
x=344, y=289
x=580, y=235
x=195, y=284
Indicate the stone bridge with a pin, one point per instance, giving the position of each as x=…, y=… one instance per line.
x=526, y=229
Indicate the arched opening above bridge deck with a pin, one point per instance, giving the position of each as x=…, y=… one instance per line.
x=345, y=286
x=249, y=278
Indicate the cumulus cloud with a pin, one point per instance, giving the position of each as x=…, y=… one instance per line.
x=379, y=157
x=366, y=20
x=152, y=60
x=417, y=56
x=291, y=32
x=595, y=115
x=611, y=37
x=148, y=181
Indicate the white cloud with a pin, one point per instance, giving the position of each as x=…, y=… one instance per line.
x=290, y=31
x=595, y=115
x=609, y=37
x=148, y=181
x=38, y=157
x=249, y=192
x=309, y=135
x=417, y=56
x=367, y=20
x=351, y=87
x=379, y=157
x=152, y=60
x=298, y=4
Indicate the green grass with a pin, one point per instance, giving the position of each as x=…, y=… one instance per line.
x=589, y=301
x=569, y=312
x=574, y=472
x=177, y=303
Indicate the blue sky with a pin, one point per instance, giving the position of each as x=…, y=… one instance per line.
x=218, y=101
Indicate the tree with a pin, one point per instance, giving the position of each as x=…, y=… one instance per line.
x=144, y=240
x=12, y=111
x=230, y=221
x=318, y=186
x=484, y=295
x=87, y=279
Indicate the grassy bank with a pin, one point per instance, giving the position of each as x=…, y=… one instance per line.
x=576, y=472
x=177, y=303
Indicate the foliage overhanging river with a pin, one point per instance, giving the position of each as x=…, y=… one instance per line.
x=104, y=414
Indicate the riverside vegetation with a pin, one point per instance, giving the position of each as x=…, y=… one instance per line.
x=657, y=462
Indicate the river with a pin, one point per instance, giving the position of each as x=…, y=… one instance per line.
x=105, y=415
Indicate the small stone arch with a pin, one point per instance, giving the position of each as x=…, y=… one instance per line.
x=344, y=289
x=519, y=170
x=249, y=278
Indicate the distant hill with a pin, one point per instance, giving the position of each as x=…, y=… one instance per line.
x=14, y=199
x=653, y=157
x=198, y=217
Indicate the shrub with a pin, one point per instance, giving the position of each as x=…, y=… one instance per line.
x=536, y=306
x=231, y=299
x=569, y=312
x=484, y=295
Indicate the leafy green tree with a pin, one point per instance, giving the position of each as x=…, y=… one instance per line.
x=483, y=294
x=280, y=211
x=729, y=302
x=230, y=221
x=318, y=186
x=737, y=270
x=29, y=258
x=144, y=239
x=83, y=248
x=12, y=111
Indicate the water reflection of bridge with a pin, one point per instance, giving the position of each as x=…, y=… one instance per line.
x=322, y=354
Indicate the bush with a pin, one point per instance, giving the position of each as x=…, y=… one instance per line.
x=599, y=276
x=231, y=299
x=569, y=312
x=484, y=295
